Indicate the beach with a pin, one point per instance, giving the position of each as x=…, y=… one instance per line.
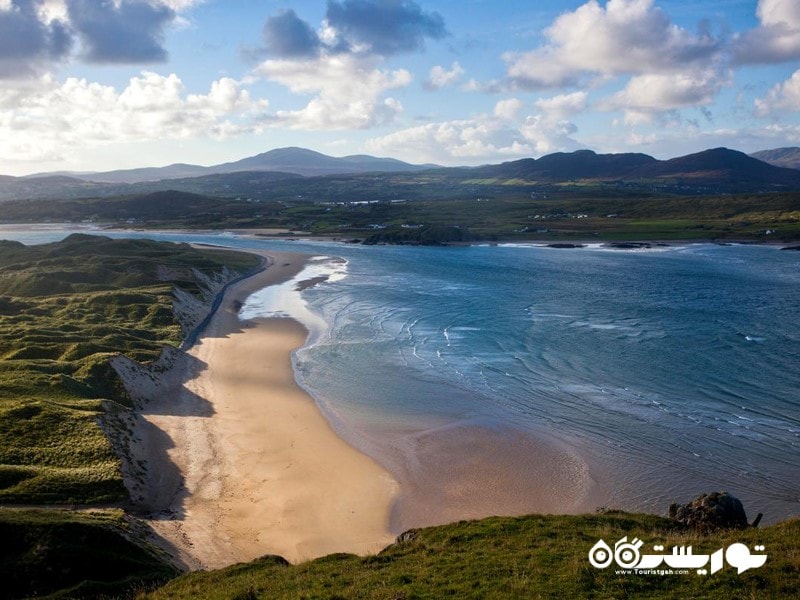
x=240, y=461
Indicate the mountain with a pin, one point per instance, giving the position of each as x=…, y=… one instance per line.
x=175, y=171
x=780, y=157
x=715, y=170
x=309, y=163
x=569, y=166
x=722, y=167
x=298, y=161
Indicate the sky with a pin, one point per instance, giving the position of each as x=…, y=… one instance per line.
x=94, y=85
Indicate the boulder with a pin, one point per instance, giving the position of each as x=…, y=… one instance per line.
x=709, y=512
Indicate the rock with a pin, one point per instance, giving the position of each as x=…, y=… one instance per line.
x=630, y=245
x=406, y=536
x=709, y=512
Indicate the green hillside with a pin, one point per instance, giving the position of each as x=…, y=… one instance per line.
x=526, y=557
x=75, y=554
x=65, y=309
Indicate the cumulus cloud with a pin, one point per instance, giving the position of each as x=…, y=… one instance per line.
x=359, y=27
x=625, y=37
x=440, y=77
x=480, y=139
x=287, y=35
x=35, y=35
x=339, y=65
x=784, y=97
x=645, y=96
x=546, y=134
x=453, y=142
x=776, y=39
x=27, y=43
x=507, y=109
x=384, y=27
x=563, y=105
x=127, y=32
x=347, y=91
x=49, y=116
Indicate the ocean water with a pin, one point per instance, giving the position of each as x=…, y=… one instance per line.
x=667, y=373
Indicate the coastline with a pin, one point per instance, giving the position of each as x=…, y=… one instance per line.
x=241, y=461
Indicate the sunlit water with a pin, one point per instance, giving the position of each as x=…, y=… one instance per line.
x=675, y=372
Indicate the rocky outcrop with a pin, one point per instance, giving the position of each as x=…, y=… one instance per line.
x=710, y=512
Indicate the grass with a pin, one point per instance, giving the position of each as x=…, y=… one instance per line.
x=526, y=557
x=65, y=309
x=489, y=209
x=76, y=554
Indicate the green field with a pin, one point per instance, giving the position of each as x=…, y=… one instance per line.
x=483, y=210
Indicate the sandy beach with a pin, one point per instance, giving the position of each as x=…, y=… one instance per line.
x=240, y=461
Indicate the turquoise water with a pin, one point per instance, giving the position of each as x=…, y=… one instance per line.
x=672, y=372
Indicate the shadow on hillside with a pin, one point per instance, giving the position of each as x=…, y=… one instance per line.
x=165, y=426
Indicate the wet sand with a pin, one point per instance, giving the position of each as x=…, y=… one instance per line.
x=472, y=470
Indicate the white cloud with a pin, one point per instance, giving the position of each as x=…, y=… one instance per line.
x=645, y=96
x=348, y=91
x=480, y=139
x=563, y=105
x=783, y=97
x=547, y=134
x=624, y=37
x=776, y=39
x=181, y=5
x=508, y=108
x=467, y=141
x=440, y=77
x=47, y=118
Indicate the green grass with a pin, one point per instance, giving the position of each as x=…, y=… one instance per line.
x=65, y=309
x=505, y=206
x=71, y=554
x=526, y=557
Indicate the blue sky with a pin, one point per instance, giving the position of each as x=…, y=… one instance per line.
x=106, y=84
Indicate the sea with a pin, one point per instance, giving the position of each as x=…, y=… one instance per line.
x=665, y=372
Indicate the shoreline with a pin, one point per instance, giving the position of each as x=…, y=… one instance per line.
x=270, y=234
x=242, y=462
x=301, y=487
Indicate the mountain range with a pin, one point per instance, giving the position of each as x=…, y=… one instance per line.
x=299, y=161
x=718, y=170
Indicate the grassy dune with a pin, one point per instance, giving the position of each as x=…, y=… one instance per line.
x=70, y=554
x=65, y=309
